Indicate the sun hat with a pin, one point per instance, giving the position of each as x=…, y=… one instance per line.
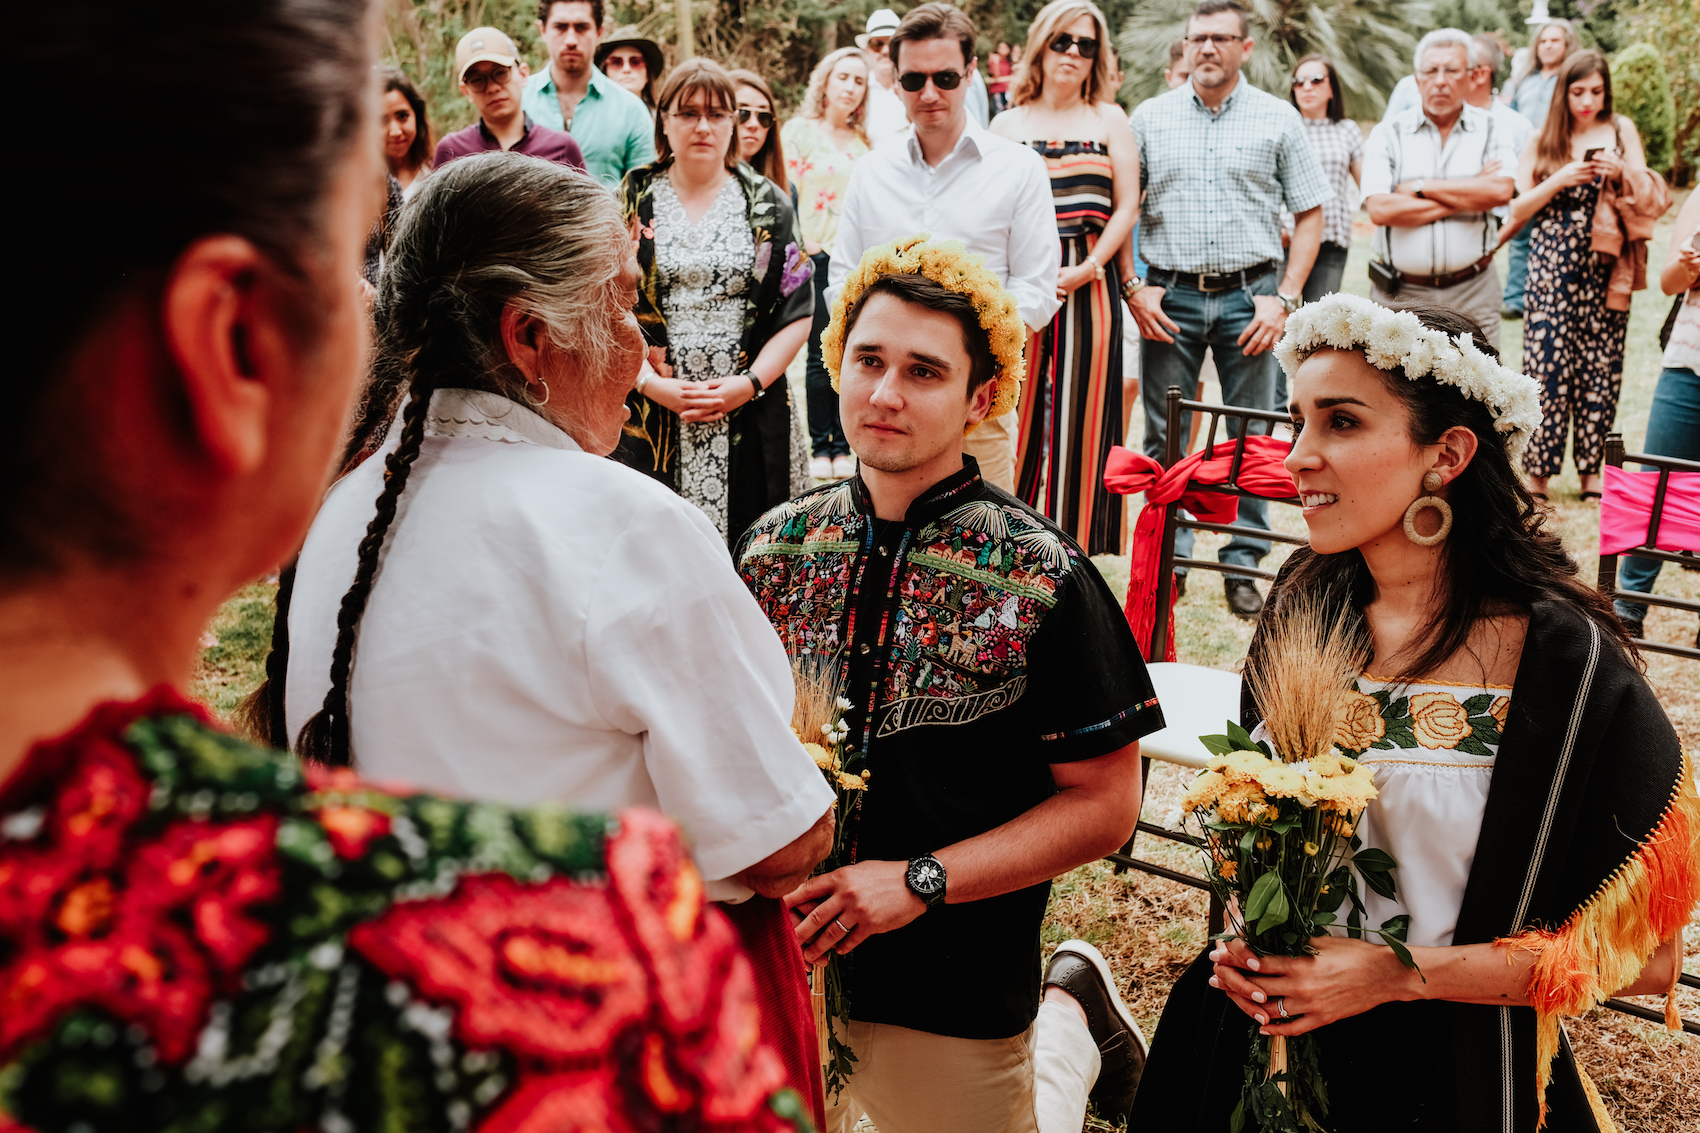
x=882, y=22
x=629, y=36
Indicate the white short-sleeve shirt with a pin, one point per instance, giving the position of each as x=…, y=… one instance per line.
x=547, y=625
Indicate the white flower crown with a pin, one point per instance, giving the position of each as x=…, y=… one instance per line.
x=1397, y=339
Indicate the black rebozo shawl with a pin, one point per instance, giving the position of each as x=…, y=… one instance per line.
x=759, y=463
x=1589, y=854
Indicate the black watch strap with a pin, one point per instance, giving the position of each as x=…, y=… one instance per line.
x=926, y=879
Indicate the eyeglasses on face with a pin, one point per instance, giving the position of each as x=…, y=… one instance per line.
x=478, y=80
x=1313, y=81
x=690, y=118
x=1218, y=41
x=1087, y=44
x=763, y=118
x=945, y=80
x=1435, y=72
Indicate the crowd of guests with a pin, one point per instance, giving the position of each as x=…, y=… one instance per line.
x=549, y=647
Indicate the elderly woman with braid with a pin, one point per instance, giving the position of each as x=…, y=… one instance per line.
x=197, y=932
x=489, y=606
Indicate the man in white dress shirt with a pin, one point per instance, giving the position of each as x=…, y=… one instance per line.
x=954, y=180
x=1433, y=178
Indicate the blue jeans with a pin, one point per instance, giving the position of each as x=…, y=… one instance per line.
x=1673, y=429
x=826, y=431
x=1517, y=271
x=1324, y=279
x=1213, y=320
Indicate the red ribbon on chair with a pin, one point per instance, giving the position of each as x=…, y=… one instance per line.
x=1262, y=473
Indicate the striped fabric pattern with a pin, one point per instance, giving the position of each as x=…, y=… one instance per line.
x=1071, y=411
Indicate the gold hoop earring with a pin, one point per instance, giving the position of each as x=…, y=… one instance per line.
x=535, y=404
x=1431, y=484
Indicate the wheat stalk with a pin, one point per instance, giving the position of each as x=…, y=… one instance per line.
x=1307, y=662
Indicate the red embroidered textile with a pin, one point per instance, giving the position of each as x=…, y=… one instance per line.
x=1262, y=473
x=787, y=1016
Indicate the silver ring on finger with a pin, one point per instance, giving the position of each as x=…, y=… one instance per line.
x=840, y=925
x=1281, y=1006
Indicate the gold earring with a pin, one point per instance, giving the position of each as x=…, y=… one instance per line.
x=1431, y=484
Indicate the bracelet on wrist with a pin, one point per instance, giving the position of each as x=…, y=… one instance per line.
x=1132, y=287
x=643, y=380
x=755, y=381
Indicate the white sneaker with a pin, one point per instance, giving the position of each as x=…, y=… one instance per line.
x=843, y=467
x=820, y=468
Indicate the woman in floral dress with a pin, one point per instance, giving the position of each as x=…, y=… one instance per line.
x=195, y=932
x=822, y=144
x=725, y=302
x=1573, y=330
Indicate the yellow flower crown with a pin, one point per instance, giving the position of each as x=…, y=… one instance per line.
x=949, y=263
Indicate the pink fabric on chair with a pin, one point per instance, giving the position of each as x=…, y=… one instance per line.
x=1262, y=473
x=1626, y=511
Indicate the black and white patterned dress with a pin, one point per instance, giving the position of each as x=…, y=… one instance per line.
x=705, y=270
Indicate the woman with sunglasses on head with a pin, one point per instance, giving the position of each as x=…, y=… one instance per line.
x=1071, y=412
x=196, y=932
x=1584, y=168
x=725, y=303
x=823, y=144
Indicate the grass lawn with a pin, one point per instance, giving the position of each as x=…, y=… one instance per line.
x=1151, y=928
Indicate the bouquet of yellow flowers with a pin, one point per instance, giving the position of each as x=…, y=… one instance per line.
x=1279, y=818
x=818, y=720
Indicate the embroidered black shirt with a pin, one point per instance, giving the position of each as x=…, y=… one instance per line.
x=977, y=645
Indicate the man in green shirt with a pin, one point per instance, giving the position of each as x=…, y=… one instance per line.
x=611, y=125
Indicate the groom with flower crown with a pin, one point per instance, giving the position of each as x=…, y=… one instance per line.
x=997, y=700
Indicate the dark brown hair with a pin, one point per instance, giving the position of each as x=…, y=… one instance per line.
x=281, y=89
x=424, y=144
x=1500, y=559
x=913, y=287
x=1336, y=101
x=1552, y=148
x=934, y=21
x=1177, y=52
x=544, y=7
x=769, y=160
x=687, y=79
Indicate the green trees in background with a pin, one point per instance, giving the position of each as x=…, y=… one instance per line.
x=1370, y=42
x=1641, y=92
x=1673, y=28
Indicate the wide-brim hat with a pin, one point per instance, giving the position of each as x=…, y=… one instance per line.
x=882, y=22
x=480, y=44
x=628, y=37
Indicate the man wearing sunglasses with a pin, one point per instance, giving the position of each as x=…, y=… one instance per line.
x=1219, y=159
x=951, y=178
x=492, y=76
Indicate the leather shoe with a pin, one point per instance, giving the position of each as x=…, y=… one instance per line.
x=1080, y=969
x=1637, y=627
x=1243, y=598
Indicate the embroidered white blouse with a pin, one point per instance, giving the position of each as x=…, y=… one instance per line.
x=551, y=625
x=1433, y=747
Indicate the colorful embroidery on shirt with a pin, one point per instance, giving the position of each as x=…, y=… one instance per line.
x=1437, y=719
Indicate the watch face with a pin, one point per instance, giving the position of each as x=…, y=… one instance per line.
x=926, y=877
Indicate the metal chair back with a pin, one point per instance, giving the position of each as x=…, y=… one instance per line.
x=1664, y=465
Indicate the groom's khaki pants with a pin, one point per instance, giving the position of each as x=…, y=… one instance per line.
x=915, y=1082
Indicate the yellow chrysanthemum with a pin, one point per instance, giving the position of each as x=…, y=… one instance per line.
x=823, y=758
x=1241, y=802
x=949, y=263
x=1204, y=791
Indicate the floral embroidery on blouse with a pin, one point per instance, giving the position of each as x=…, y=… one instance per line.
x=1436, y=719
x=199, y=934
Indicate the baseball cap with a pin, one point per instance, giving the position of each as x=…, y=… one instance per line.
x=882, y=22
x=480, y=44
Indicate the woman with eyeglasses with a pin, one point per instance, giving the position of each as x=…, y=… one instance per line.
x=725, y=303
x=824, y=142
x=1071, y=411
x=1338, y=143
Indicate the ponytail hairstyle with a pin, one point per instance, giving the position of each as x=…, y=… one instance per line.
x=1508, y=561
x=482, y=234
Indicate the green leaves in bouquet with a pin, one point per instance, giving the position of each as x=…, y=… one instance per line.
x=1377, y=868
x=1267, y=904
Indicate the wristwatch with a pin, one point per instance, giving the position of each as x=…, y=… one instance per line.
x=926, y=879
x=1417, y=189
x=1290, y=303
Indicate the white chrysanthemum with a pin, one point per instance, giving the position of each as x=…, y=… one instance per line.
x=1393, y=340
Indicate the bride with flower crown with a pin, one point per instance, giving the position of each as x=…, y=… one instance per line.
x=1538, y=802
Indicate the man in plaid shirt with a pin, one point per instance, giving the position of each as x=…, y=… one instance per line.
x=1219, y=160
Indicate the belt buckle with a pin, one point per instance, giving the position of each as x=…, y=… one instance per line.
x=1211, y=290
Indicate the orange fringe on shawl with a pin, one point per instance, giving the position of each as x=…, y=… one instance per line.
x=1605, y=944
